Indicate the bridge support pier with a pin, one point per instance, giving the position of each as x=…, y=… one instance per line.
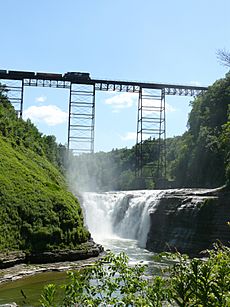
x=81, y=118
x=151, y=135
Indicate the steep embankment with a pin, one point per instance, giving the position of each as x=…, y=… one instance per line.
x=37, y=212
x=189, y=221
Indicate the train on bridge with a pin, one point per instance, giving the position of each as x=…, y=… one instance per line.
x=69, y=76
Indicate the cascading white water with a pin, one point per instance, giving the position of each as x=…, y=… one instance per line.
x=120, y=214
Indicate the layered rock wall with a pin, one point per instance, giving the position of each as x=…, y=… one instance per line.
x=190, y=221
x=86, y=250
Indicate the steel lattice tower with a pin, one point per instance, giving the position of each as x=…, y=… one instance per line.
x=81, y=118
x=151, y=133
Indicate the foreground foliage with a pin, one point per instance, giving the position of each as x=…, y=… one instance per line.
x=112, y=282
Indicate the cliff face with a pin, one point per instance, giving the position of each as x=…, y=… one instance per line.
x=189, y=221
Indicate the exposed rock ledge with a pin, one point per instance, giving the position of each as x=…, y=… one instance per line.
x=76, y=260
x=190, y=221
x=86, y=250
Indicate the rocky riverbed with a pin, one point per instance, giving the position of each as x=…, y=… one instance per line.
x=16, y=265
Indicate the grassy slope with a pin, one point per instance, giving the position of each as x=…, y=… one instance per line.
x=37, y=212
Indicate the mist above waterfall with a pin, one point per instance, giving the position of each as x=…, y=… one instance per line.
x=82, y=174
x=100, y=172
x=123, y=214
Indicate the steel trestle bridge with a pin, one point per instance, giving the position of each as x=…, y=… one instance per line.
x=151, y=120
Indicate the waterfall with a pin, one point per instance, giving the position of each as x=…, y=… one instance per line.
x=122, y=214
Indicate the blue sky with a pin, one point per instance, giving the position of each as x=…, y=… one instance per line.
x=156, y=41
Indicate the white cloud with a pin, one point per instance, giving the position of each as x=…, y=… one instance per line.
x=41, y=99
x=122, y=101
x=132, y=136
x=129, y=136
x=150, y=104
x=169, y=108
x=195, y=83
x=154, y=103
x=127, y=100
x=51, y=115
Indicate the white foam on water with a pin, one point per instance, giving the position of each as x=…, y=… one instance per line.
x=120, y=215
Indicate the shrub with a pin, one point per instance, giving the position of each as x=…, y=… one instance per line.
x=112, y=282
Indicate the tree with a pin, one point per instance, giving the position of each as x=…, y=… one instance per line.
x=224, y=57
x=203, y=157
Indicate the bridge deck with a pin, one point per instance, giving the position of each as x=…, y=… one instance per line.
x=62, y=80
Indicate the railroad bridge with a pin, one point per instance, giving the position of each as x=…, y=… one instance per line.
x=151, y=121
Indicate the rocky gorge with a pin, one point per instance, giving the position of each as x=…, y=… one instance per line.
x=189, y=221
x=184, y=220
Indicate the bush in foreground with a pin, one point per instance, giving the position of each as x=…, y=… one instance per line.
x=112, y=282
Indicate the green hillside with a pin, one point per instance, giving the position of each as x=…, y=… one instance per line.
x=37, y=212
x=202, y=154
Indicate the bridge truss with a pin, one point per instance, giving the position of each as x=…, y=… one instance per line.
x=151, y=120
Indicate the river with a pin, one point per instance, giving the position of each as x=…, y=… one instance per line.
x=117, y=220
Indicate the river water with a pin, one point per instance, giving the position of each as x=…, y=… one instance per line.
x=118, y=220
